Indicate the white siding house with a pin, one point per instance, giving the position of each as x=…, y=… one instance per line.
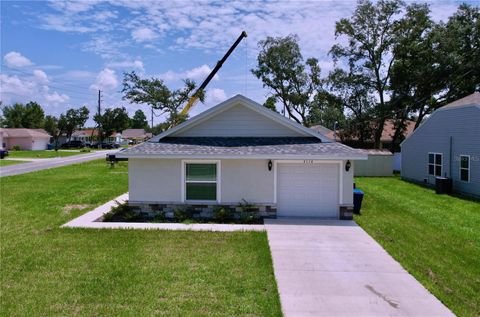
x=239, y=151
x=448, y=145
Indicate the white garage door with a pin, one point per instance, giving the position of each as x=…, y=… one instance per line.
x=307, y=190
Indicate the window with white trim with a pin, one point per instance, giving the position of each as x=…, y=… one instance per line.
x=465, y=168
x=201, y=181
x=435, y=164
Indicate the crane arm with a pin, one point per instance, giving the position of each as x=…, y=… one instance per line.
x=194, y=98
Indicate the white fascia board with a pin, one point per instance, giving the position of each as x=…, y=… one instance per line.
x=244, y=157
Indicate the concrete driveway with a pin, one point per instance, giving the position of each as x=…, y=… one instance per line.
x=41, y=164
x=334, y=268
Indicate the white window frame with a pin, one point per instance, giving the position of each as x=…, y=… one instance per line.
x=462, y=168
x=434, y=164
x=184, y=181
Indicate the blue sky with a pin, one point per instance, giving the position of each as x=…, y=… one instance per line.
x=59, y=53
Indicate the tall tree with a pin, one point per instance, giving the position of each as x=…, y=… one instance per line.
x=112, y=120
x=459, y=44
x=156, y=94
x=358, y=103
x=416, y=75
x=293, y=82
x=139, y=120
x=370, y=35
x=74, y=120
x=18, y=115
x=34, y=116
x=51, y=126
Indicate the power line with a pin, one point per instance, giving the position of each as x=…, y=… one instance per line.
x=57, y=85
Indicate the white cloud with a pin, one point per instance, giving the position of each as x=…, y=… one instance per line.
x=213, y=97
x=23, y=89
x=106, y=80
x=197, y=74
x=55, y=97
x=40, y=76
x=15, y=59
x=136, y=64
x=143, y=34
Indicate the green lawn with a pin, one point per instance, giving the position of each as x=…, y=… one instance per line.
x=435, y=237
x=46, y=270
x=6, y=162
x=43, y=153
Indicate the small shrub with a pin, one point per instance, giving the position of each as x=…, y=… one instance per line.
x=121, y=213
x=180, y=215
x=16, y=148
x=159, y=217
x=222, y=214
x=85, y=150
x=248, y=214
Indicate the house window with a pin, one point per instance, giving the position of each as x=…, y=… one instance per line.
x=201, y=181
x=465, y=168
x=435, y=164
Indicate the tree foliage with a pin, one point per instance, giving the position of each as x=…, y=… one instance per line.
x=156, y=94
x=139, y=120
x=73, y=120
x=18, y=115
x=371, y=36
x=112, y=120
x=293, y=82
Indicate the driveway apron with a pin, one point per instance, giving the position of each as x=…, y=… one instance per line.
x=334, y=268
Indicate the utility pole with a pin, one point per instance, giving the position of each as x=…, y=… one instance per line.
x=99, y=112
x=152, y=118
x=99, y=101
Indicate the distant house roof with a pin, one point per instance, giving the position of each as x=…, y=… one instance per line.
x=470, y=100
x=24, y=133
x=135, y=134
x=376, y=152
x=322, y=130
x=387, y=133
x=389, y=130
x=258, y=147
x=85, y=132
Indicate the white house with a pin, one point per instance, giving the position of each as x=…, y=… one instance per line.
x=241, y=151
x=25, y=139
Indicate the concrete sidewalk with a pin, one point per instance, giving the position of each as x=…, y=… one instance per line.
x=334, y=268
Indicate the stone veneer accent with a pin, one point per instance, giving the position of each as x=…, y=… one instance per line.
x=202, y=211
x=346, y=212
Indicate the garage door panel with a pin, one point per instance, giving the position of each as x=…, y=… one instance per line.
x=307, y=190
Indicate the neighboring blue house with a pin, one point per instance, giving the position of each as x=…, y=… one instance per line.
x=447, y=144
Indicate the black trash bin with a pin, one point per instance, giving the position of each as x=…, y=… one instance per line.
x=357, y=200
x=443, y=185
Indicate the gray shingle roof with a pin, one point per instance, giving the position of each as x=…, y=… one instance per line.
x=241, y=147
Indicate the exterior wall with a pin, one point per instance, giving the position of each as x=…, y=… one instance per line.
x=159, y=181
x=455, y=131
x=376, y=165
x=1, y=140
x=247, y=179
x=155, y=180
x=397, y=161
x=241, y=122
